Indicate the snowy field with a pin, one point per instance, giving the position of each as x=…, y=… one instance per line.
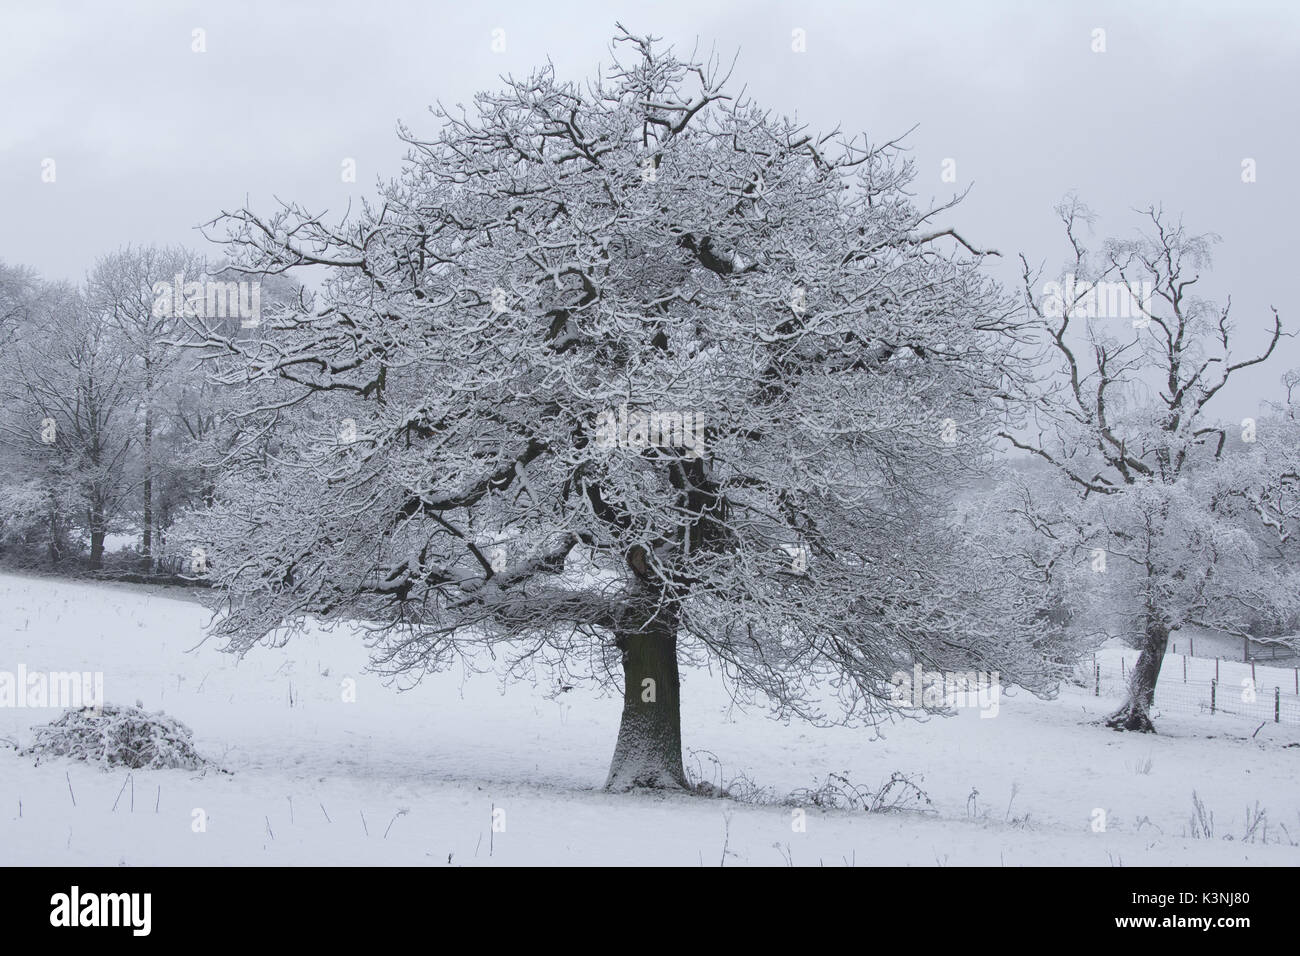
x=414, y=777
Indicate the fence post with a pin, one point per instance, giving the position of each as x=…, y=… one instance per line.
x=1191, y=646
x=1252, y=672
x=1214, y=684
x=1184, y=668
x=1216, y=667
x=1297, y=680
x=1122, y=672
x=1245, y=648
x=1277, y=705
x=1096, y=676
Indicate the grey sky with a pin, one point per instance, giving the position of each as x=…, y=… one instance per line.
x=150, y=138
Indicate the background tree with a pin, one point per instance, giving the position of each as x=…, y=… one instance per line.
x=1260, y=487
x=68, y=401
x=20, y=290
x=1123, y=412
x=124, y=290
x=438, y=459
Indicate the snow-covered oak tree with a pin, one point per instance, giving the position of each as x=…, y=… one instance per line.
x=619, y=374
x=1132, y=360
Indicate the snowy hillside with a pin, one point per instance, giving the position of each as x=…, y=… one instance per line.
x=414, y=777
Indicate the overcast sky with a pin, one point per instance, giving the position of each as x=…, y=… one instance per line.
x=150, y=138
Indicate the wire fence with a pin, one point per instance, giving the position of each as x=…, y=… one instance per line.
x=1200, y=685
x=1283, y=652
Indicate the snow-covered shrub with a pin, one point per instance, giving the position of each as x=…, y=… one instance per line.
x=35, y=521
x=118, y=737
x=900, y=792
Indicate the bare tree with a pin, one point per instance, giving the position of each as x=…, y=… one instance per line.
x=125, y=289
x=20, y=291
x=1133, y=360
x=69, y=397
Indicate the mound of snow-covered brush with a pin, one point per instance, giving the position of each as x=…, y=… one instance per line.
x=118, y=737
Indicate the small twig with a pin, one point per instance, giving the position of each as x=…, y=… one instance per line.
x=322, y=810
x=120, y=792
x=363, y=821
x=399, y=813
x=1015, y=787
x=70, y=793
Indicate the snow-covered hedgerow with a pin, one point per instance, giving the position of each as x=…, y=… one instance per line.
x=118, y=737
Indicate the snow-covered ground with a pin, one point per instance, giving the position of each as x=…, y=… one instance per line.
x=414, y=777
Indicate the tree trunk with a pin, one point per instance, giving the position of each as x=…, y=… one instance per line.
x=96, y=548
x=1135, y=714
x=649, y=748
x=148, y=474
x=55, y=549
